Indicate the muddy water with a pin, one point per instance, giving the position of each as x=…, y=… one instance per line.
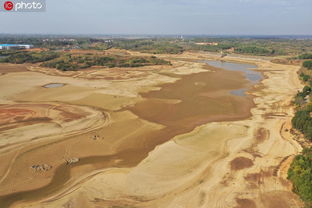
x=198, y=99
x=251, y=75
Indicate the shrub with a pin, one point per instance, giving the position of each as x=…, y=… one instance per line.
x=307, y=64
x=303, y=121
x=254, y=50
x=305, y=77
x=305, y=56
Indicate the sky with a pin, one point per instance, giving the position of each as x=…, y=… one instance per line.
x=189, y=17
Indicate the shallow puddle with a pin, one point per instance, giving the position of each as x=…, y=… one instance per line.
x=54, y=85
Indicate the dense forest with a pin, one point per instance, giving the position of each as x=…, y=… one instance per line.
x=149, y=46
x=302, y=119
x=254, y=50
x=74, y=62
x=68, y=61
x=20, y=57
x=300, y=171
x=173, y=44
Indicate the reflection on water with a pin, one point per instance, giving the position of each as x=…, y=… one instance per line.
x=252, y=76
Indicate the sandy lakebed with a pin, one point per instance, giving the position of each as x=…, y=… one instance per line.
x=181, y=136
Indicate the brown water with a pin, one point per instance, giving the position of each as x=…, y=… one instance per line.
x=201, y=97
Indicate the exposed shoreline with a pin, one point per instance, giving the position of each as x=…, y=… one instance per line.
x=163, y=194
x=62, y=172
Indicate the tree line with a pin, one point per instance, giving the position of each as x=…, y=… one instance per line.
x=300, y=171
x=75, y=62
x=68, y=61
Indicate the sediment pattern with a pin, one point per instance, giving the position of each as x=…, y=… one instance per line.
x=164, y=137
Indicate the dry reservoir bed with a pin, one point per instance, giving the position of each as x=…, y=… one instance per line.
x=154, y=145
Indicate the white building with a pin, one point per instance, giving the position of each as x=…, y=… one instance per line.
x=15, y=46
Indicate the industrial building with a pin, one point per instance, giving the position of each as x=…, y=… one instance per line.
x=15, y=46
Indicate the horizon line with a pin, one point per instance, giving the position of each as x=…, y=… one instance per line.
x=138, y=35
